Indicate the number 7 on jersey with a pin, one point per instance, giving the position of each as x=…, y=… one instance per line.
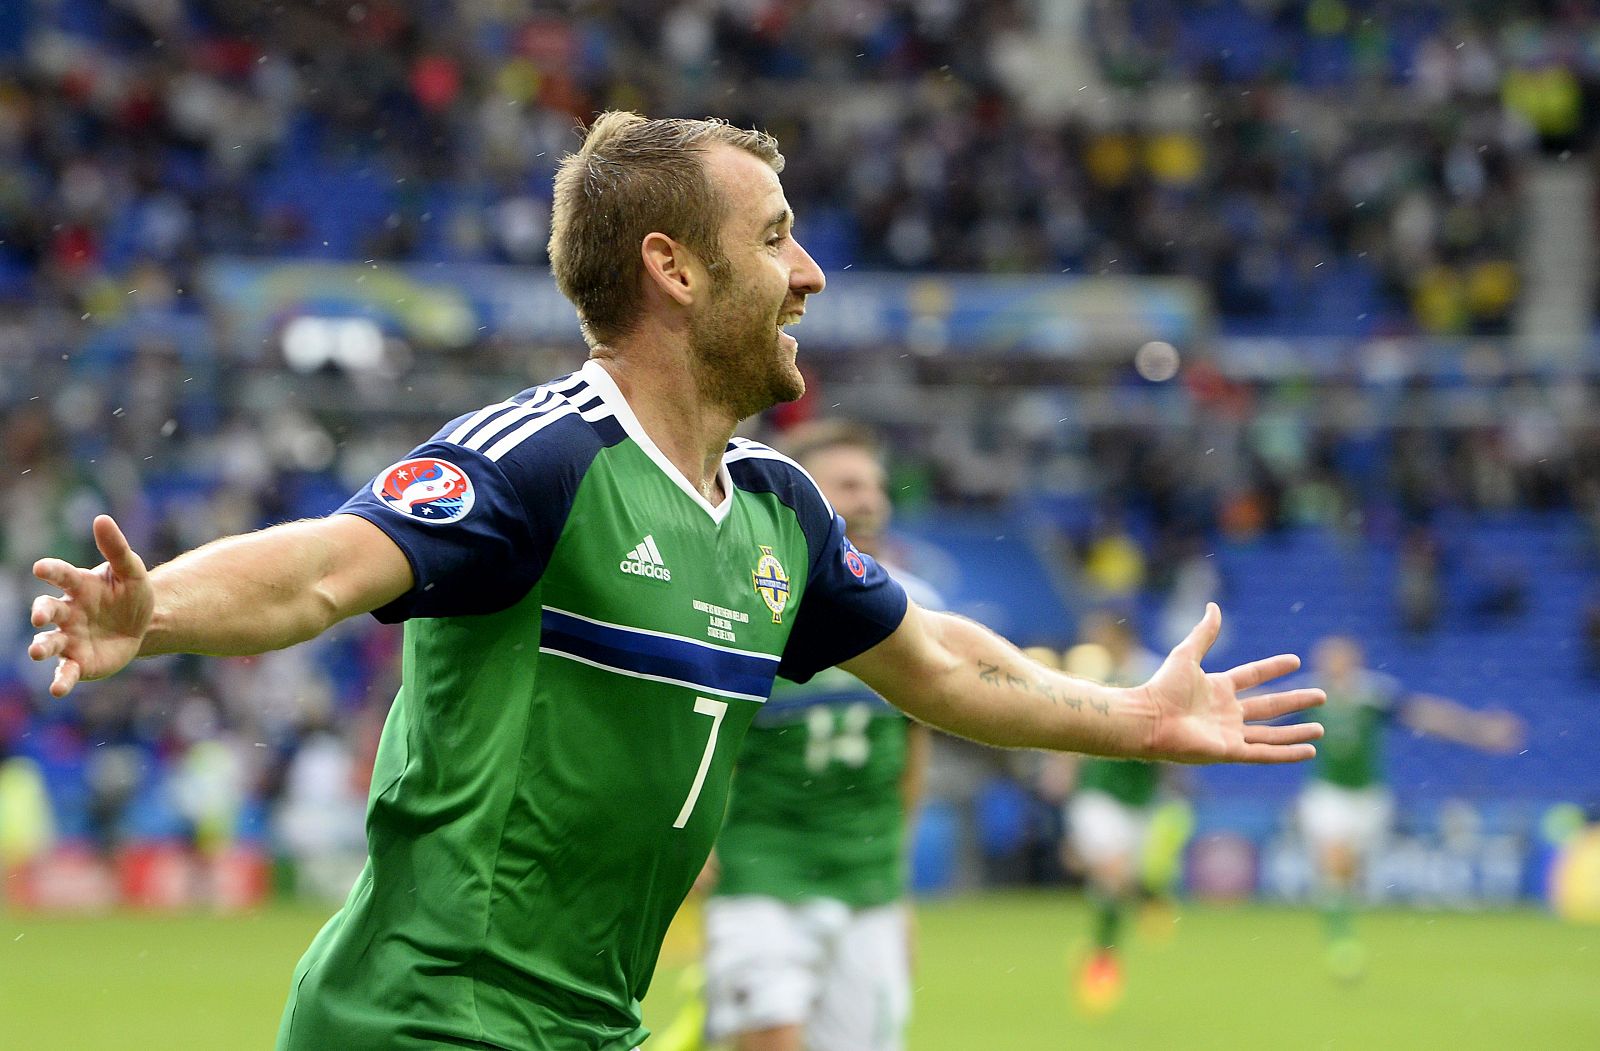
x=715, y=709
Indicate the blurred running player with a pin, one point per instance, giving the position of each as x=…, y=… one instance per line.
x=1112, y=816
x=1345, y=809
x=808, y=939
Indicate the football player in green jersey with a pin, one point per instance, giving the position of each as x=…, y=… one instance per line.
x=807, y=936
x=1345, y=809
x=599, y=585
x=1111, y=812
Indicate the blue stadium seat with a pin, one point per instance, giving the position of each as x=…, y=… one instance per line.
x=1288, y=593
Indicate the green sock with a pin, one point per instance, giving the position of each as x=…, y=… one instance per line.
x=1107, y=921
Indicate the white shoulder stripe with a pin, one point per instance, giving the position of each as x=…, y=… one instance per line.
x=500, y=425
x=598, y=411
x=500, y=435
x=744, y=448
x=475, y=419
x=528, y=430
x=541, y=397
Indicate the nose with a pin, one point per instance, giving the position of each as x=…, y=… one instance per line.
x=805, y=276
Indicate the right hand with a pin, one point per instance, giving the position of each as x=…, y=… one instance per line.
x=101, y=618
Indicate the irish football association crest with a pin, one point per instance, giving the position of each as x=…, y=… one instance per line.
x=772, y=583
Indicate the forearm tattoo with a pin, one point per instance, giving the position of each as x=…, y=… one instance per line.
x=993, y=675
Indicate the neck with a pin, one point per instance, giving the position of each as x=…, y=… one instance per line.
x=662, y=391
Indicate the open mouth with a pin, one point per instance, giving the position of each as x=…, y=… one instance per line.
x=791, y=318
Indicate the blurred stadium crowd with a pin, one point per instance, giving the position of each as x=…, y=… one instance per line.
x=1288, y=153
x=1319, y=166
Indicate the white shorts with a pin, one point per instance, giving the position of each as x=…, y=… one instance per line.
x=1332, y=816
x=1104, y=829
x=843, y=974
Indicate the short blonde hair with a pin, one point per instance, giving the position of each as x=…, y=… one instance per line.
x=812, y=437
x=632, y=177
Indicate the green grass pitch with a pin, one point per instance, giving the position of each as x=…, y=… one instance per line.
x=992, y=974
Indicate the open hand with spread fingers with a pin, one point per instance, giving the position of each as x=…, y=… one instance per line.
x=1200, y=717
x=101, y=618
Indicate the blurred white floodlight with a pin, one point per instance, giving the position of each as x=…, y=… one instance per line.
x=1156, y=361
x=352, y=343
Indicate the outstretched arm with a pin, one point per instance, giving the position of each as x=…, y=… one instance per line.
x=961, y=677
x=1488, y=731
x=243, y=594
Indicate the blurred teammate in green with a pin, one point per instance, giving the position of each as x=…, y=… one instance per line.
x=1345, y=809
x=1118, y=828
x=807, y=934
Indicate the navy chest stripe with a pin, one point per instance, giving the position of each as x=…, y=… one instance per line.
x=659, y=656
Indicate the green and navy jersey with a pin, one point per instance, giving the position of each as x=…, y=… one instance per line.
x=1132, y=782
x=1350, y=753
x=816, y=809
x=587, y=640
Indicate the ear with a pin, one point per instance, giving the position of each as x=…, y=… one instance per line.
x=671, y=267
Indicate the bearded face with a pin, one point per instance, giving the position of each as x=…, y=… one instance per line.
x=742, y=358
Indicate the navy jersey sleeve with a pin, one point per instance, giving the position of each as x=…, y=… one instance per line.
x=477, y=531
x=851, y=604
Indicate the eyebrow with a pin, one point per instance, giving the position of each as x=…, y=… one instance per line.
x=778, y=220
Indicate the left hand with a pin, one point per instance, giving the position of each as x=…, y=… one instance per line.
x=102, y=615
x=1200, y=717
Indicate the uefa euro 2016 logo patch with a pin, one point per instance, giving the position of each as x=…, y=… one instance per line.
x=772, y=583
x=427, y=489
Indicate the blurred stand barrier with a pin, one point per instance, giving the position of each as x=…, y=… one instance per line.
x=156, y=876
x=447, y=307
x=1413, y=869
x=1003, y=838
x=43, y=873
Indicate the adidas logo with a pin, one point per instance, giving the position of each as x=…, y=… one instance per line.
x=645, y=561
